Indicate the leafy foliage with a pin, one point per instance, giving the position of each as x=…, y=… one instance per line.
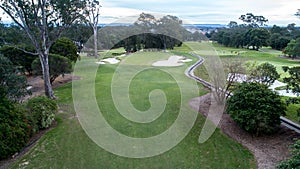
x=19, y=57
x=294, y=161
x=293, y=81
x=256, y=108
x=65, y=47
x=257, y=37
x=14, y=130
x=253, y=20
x=43, y=22
x=12, y=34
x=160, y=33
x=58, y=65
x=42, y=111
x=279, y=41
x=13, y=85
x=264, y=73
x=293, y=48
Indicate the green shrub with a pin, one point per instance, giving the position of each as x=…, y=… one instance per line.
x=294, y=161
x=65, y=47
x=41, y=111
x=14, y=128
x=256, y=108
x=18, y=57
x=58, y=65
x=12, y=85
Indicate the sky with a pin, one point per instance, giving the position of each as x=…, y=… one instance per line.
x=279, y=12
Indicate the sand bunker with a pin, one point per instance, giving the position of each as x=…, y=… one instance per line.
x=173, y=61
x=108, y=61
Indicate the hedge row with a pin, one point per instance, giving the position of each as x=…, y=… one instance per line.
x=18, y=122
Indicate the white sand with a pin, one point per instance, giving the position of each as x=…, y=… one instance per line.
x=109, y=61
x=101, y=63
x=173, y=61
x=186, y=60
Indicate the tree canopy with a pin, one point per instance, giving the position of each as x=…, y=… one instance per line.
x=65, y=47
x=59, y=65
x=256, y=108
x=12, y=85
x=43, y=21
x=293, y=81
x=253, y=20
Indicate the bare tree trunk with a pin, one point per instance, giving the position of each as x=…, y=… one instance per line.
x=95, y=42
x=46, y=75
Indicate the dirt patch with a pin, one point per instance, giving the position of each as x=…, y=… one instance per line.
x=268, y=150
x=37, y=84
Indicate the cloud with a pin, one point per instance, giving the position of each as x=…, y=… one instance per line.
x=218, y=11
x=280, y=12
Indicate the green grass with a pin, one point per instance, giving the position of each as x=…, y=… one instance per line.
x=68, y=146
x=292, y=112
x=265, y=54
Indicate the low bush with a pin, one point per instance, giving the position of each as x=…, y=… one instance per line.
x=41, y=112
x=294, y=161
x=15, y=130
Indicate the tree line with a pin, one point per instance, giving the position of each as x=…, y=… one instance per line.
x=253, y=34
x=145, y=33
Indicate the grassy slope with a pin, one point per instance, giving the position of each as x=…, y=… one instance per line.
x=67, y=146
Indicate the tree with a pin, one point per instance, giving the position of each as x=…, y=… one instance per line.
x=43, y=21
x=255, y=108
x=59, y=65
x=65, y=47
x=253, y=20
x=93, y=14
x=234, y=68
x=264, y=73
x=293, y=48
x=78, y=33
x=18, y=57
x=293, y=81
x=12, y=85
x=233, y=24
x=12, y=34
x=257, y=37
x=278, y=41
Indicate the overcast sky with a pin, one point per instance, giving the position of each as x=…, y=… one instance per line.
x=279, y=12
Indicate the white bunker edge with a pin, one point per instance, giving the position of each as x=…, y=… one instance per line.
x=173, y=61
x=243, y=78
x=108, y=61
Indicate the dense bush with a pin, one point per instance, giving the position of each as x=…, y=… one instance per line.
x=42, y=111
x=294, y=161
x=65, y=47
x=256, y=108
x=13, y=85
x=14, y=128
x=58, y=65
x=20, y=58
